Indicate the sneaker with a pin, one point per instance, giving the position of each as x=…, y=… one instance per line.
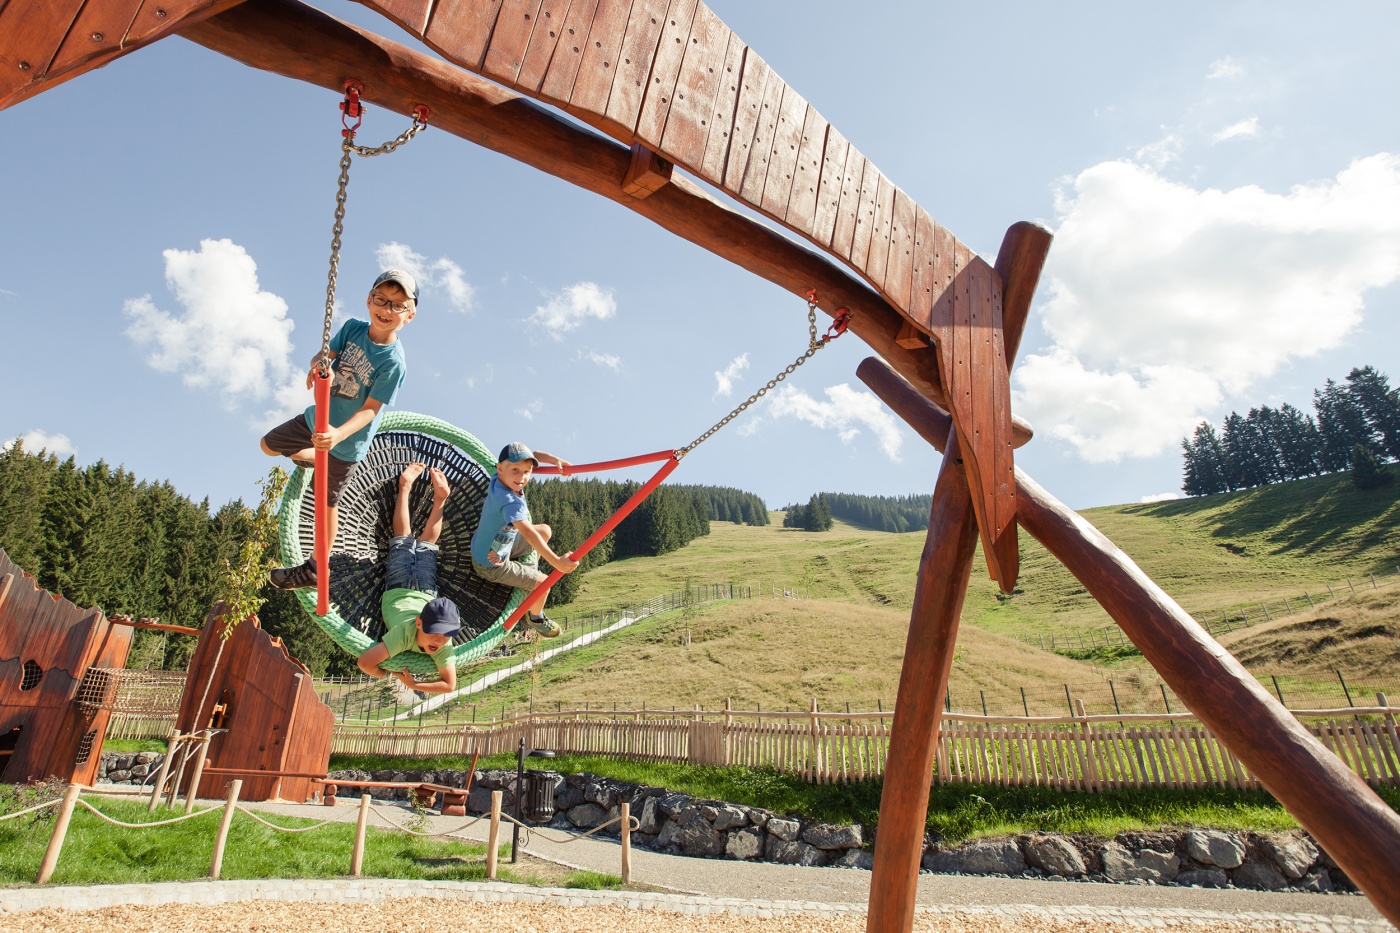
x=544, y=625
x=300, y=577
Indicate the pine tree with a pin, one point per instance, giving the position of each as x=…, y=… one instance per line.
x=1371, y=392
x=1368, y=472
x=1342, y=423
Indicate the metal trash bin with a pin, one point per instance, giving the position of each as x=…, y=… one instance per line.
x=537, y=805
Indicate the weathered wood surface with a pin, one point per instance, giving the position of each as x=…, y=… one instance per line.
x=266, y=701
x=1331, y=801
x=45, y=42
x=292, y=39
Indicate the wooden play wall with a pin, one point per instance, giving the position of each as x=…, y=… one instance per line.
x=47, y=646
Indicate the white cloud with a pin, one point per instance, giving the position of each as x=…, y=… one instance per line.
x=531, y=409
x=724, y=381
x=846, y=412
x=1165, y=298
x=232, y=337
x=1160, y=497
x=569, y=309
x=435, y=277
x=1245, y=129
x=1226, y=67
x=605, y=360
x=35, y=440
x=1163, y=152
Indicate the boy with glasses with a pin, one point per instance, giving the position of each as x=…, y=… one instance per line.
x=367, y=361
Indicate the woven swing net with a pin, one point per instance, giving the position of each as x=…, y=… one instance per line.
x=366, y=509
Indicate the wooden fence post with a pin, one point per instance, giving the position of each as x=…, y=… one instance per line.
x=1086, y=738
x=493, y=837
x=816, y=757
x=626, y=842
x=193, y=792
x=60, y=832
x=216, y=864
x=357, y=857
x=170, y=747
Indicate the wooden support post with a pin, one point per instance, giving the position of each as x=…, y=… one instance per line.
x=647, y=172
x=170, y=747
x=626, y=827
x=493, y=838
x=944, y=570
x=1357, y=828
x=357, y=857
x=193, y=790
x=60, y=832
x=216, y=864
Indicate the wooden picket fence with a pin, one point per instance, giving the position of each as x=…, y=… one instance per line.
x=1082, y=752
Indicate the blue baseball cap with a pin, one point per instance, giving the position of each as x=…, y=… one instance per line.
x=400, y=278
x=516, y=452
x=440, y=617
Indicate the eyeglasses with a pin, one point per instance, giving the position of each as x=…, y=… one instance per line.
x=380, y=302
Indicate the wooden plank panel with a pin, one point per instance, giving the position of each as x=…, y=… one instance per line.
x=782, y=156
x=410, y=14
x=687, y=132
x=900, y=266
x=562, y=70
x=461, y=30
x=514, y=25
x=595, y=74
x=633, y=64
x=922, y=280
x=876, y=263
x=722, y=113
x=829, y=179
x=544, y=40
x=755, y=172
x=32, y=34
x=802, y=204
x=98, y=30
x=753, y=87
x=865, y=215
x=843, y=235
x=665, y=71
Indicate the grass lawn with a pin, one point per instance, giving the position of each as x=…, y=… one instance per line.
x=956, y=811
x=96, y=852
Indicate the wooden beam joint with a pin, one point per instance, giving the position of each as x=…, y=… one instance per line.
x=647, y=173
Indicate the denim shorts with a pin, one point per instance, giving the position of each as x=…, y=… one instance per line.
x=411, y=565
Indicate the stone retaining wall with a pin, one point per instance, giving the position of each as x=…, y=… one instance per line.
x=682, y=825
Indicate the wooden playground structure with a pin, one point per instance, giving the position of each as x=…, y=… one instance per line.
x=667, y=85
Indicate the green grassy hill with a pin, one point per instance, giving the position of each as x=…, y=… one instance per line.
x=844, y=644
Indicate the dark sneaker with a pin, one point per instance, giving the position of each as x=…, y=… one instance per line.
x=300, y=577
x=544, y=625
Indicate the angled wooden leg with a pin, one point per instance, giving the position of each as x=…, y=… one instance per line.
x=944, y=569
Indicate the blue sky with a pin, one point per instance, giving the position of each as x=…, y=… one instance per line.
x=1224, y=181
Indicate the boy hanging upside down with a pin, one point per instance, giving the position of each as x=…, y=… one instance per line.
x=416, y=618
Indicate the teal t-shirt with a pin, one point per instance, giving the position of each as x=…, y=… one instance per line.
x=400, y=607
x=363, y=370
x=496, y=529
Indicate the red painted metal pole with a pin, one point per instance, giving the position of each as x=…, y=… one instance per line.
x=323, y=544
x=602, y=532
x=602, y=465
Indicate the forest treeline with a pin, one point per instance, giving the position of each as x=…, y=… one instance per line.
x=102, y=537
x=1354, y=425
x=879, y=513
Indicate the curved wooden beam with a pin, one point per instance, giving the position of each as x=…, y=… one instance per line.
x=1358, y=829
x=291, y=39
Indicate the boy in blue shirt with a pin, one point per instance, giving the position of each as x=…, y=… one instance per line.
x=368, y=364
x=505, y=535
x=416, y=618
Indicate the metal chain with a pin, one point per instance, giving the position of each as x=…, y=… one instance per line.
x=348, y=146
x=814, y=343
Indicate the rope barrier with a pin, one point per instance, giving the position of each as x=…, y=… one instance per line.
x=633, y=826
x=288, y=829
x=177, y=819
x=378, y=811
x=52, y=803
